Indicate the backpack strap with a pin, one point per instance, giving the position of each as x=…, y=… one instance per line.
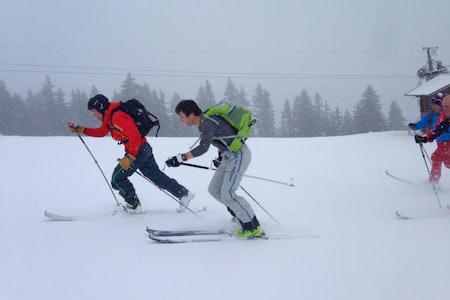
x=111, y=128
x=156, y=123
x=221, y=138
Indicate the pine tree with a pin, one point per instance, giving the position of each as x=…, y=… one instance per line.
x=367, y=115
x=6, y=116
x=160, y=111
x=263, y=113
x=94, y=91
x=231, y=94
x=201, y=98
x=348, y=126
x=177, y=128
x=320, y=116
x=22, y=119
x=336, y=123
x=209, y=95
x=205, y=96
x=174, y=120
x=60, y=118
x=242, y=98
x=35, y=109
x=14, y=118
x=286, y=128
x=304, y=118
x=78, y=112
x=396, y=120
x=154, y=103
x=128, y=90
x=326, y=120
x=48, y=110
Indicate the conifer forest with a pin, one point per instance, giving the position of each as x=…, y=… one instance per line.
x=47, y=111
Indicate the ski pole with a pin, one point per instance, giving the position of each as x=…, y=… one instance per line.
x=107, y=182
x=259, y=204
x=165, y=192
x=422, y=149
x=245, y=175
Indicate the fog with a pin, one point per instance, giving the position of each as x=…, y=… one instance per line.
x=333, y=48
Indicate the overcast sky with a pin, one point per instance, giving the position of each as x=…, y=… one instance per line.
x=287, y=46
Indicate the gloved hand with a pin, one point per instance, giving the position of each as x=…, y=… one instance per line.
x=126, y=161
x=216, y=161
x=420, y=139
x=412, y=126
x=175, y=161
x=79, y=129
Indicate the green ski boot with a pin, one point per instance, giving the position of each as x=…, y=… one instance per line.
x=249, y=234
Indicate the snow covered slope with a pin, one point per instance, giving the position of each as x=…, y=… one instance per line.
x=341, y=193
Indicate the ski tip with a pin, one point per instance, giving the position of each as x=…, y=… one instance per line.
x=291, y=182
x=54, y=217
x=402, y=217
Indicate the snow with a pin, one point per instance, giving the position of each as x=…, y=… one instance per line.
x=434, y=85
x=341, y=193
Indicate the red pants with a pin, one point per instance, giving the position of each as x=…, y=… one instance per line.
x=441, y=155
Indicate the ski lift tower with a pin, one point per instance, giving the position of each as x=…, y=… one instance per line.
x=433, y=67
x=437, y=79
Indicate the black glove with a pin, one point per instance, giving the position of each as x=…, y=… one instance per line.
x=216, y=161
x=412, y=126
x=175, y=161
x=420, y=139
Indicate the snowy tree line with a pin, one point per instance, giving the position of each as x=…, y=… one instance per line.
x=47, y=111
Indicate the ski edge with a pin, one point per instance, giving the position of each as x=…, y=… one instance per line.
x=156, y=232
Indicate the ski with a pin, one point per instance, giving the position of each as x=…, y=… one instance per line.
x=65, y=218
x=187, y=236
x=177, y=239
x=88, y=217
x=422, y=185
x=441, y=212
x=198, y=236
x=401, y=179
x=56, y=217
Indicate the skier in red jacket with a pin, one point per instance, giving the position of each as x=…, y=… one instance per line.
x=138, y=154
x=440, y=133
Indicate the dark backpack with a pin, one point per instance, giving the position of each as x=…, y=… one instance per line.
x=143, y=119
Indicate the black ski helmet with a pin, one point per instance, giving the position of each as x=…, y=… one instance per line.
x=99, y=103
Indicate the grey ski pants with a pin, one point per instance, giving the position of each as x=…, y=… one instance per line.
x=227, y=179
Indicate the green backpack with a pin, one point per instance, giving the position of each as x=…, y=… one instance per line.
x=238, y=116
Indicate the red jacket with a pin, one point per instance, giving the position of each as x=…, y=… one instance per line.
x=122, y=128
x=440, y=127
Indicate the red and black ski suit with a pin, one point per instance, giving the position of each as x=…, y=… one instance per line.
x=124, y=130
x=441, y=134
